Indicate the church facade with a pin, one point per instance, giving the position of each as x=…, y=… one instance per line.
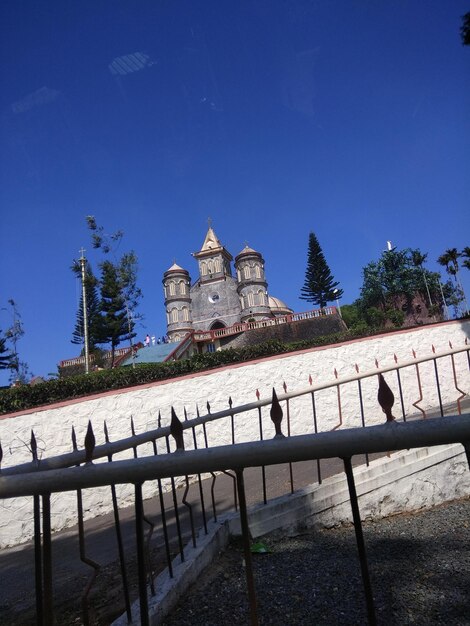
x=218, y=298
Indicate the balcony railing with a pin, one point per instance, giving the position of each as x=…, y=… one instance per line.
x=235, y=329
x=80, y=360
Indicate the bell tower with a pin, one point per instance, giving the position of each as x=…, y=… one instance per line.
x=213, y=259
x=252, y=285
x=176, y=286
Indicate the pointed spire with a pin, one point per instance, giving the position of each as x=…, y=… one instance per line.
x=211, y=241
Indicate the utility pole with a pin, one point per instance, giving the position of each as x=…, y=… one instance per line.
x=129, y=326
x=444, y=301
x=85, y=312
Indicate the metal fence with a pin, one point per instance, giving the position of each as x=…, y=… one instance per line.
x=339, y=420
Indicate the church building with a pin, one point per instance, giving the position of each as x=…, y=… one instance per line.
x=218, y=298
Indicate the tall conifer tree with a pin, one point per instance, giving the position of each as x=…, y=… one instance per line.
x=117, y=324
x=319, y=286
x=5, y=355
x=93, y=305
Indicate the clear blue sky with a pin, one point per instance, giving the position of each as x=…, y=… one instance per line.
x=274, y=117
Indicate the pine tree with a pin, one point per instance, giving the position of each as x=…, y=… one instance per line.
x=93, y=305
x=319, y=286
x=117, y=324
x=5, y=355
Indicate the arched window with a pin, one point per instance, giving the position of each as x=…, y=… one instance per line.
x=174, y=315
x=261, y=298
x=182, y=287
x=171, y=286
x=251, y=299
x=246, y=271
x=203, y=268
x=239, y=275
x=168, y=317
x=210, y=266
x=217, y=265
x=185, y=314
x=257, y=271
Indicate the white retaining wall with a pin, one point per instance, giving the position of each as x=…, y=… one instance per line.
x=52, y=425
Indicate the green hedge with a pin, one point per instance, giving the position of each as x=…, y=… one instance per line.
x=30, y=396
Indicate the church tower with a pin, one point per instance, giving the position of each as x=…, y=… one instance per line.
x=214, y=298
x=213, y=259
x=176, y=286
x=252, y=285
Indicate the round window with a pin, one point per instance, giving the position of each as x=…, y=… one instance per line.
x=214, y=298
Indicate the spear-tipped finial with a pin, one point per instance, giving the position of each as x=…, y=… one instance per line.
x=276, y=414
x=385, y=398
x=74, y=440
x=34, y=446
x=1, y=455
x=89, y=443
x=106, y=433
x=176, y=430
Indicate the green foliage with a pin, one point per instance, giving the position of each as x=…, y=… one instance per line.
x=450, y=260
x=351, y=315
x=116, y=325
x=465, y=254
x=111, y=319
x=375, y=317
x=5, y=355
x=396, y=278
x=319, y=286
x=93, y=304
x=396, y=317
x=465, y=29
x=19, y=369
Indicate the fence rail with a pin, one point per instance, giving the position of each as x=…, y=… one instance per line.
x=181, y=451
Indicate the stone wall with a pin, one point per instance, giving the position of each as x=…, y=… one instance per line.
x=52, y=425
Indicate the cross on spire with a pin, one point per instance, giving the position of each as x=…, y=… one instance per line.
x=209, y=222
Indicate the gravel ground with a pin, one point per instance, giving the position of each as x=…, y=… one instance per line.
x=419, y=565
